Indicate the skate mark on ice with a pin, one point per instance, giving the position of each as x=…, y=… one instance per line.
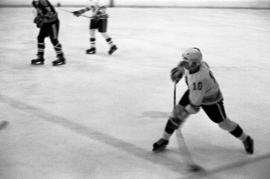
x=145, y=154
x=230, y=166
x=154, y=114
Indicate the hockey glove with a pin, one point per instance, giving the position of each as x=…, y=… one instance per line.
x=39, y=21
x=176, y=74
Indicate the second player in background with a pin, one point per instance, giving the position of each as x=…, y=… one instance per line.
x=99, y=21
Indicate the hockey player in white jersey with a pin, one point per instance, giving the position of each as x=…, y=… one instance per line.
x=99, y=21
x=203, y=92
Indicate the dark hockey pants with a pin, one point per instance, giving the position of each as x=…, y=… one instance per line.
x=49, y=30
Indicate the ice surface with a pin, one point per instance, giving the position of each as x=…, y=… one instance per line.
x=151, y=3
x=97, y=116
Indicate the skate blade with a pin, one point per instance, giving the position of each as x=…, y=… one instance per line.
x=58, y=64
x=90, y=53
x=37, y=64
x=159, y=150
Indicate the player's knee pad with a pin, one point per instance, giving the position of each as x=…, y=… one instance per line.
x=227, y=125
x=180, y=112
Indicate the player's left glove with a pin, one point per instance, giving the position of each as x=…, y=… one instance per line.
x=39, y=21
x=177, y=73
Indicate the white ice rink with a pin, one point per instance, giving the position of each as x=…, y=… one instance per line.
x=97, y=116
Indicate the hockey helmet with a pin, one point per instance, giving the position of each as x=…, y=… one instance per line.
x=192, y=56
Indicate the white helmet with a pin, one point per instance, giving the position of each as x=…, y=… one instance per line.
x=192, y=56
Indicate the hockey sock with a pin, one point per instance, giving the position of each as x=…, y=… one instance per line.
x=170, y=128
x=92, y=42
x=166, y=135
x=41, y=47
x=57, y=47
x=58, y=50
x=110, y=42
x=238, y=133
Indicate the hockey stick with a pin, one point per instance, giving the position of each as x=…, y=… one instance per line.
x=72, y=13
x=192, y=166
x=174, y=95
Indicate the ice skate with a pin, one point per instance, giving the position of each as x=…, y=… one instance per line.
x=91, y=50
x=249, y=145
x=59, y=61
x=160, y=145
x=112, y=49
x=38, y=61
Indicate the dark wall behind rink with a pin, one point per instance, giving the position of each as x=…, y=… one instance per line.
x=163, y=3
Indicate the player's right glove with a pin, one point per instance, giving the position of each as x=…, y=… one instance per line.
x=177, y=73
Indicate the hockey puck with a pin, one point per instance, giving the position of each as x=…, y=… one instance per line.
x=3, y=124
x=195, y=168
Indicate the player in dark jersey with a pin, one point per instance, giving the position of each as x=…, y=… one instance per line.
x=47, y=21
x=99, y=21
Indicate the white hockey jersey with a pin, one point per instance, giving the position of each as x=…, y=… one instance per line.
x=203, y=87
x=98, y=11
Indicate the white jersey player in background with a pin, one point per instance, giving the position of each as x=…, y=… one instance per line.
x=203, y=92
x=99, y=21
